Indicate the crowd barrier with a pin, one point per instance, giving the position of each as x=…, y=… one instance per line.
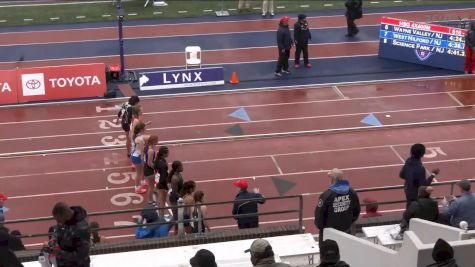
x=24, y=85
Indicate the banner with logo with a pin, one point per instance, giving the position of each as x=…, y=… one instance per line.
x=181, y=78
x=62, y=82
x=8, y=88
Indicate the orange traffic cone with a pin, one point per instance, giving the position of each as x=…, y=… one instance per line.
x=234, y=79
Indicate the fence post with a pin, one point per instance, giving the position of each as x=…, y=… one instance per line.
x=452, y=189
x=200, y=226
x=301, y=214
x=180, y=216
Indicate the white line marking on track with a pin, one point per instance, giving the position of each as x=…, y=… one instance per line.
x=230, y=123
x=28, y=19
x=276, y=164
x=339, y=93
x=226, y=107
x=327, y=5
x=80, y=17
x=55, y=18
x=3, y=21
x=280, y=7
x=207, y=10
x=304, y=5
x=106, y=15
x=397, y=154
x=72, y=192
x=455, y=99
x=157, y=12
x=182, y=11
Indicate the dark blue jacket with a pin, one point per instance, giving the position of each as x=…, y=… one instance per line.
x=414, y=176
x=284, y=40
x=241, y=206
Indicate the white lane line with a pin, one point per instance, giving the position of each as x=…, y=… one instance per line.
x=231, y=9
x=228, y=107
x=327, y=5
x=304, y=5
x=256, y=8
x=339, y=93
x=240, y=158
x=280, y=7
x=182, y=11
x=265, y=176
x=3, y=21
x=157, y=12
x=28, y=19
x=207, y=10
x=132, y=14
x=106, y=15
x=253, y=122
x=276, y=164
x=397, y=154
x=455, y=99
x=80, y=17
x=54, y=18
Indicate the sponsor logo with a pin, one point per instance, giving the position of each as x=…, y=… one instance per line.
x=422, y=55
x=74, y=81
x=33, y=84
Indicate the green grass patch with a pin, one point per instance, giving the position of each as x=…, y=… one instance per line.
x=95, y=12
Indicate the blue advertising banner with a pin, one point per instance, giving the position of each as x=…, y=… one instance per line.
x=421, y=43
x=181, y=78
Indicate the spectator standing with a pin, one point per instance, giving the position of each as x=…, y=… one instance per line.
x=242, y=205
x=244, y=5
x=469, y=49
x=7, y=257
x=125, y=116
x=198, y=199
x=330, y=254
x=338, y=207
x=267, y=7
x=443, y=255
x=73, y=236
x=262, y=254
x=301, y=37
x=423, y=208
x=176, y=184
x=284, y=43
x=3, y=209
x=462, y=208
x=354, y=11
x=414, y=174
x=161, y=167
x=203, y=258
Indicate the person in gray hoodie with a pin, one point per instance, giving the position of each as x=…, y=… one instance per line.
x=443, y=255
x=338, y=207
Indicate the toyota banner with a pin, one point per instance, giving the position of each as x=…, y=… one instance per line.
x=62, y=82
x=52, y=83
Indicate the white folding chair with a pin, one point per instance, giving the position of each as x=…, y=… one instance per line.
x=192, y=56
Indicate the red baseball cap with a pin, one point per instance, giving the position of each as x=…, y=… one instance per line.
x=241, y=184
x=3, y=197
x=284, y=19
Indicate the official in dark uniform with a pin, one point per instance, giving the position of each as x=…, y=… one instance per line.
x=284, y=43
x=354, y=11
x=301, y=37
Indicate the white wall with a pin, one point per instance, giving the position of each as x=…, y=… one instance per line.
x=358, y=252
x=425, y=231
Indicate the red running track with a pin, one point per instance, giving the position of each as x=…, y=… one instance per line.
x=370, y=158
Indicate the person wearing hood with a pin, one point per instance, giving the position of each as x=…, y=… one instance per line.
x=284, y=43
x=330, y=254
x=301, y=37
x=338, y=207
x=414, y=174
x=443, y=255
x=73, y=236
x=423, y=208
x=262, y=254
x=469, y=49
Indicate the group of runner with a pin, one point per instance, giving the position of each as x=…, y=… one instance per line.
x=151, y=167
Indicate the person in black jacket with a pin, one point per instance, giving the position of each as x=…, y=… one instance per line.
x=423, y=208
x=338, y=207
x=125, y=116
x=7, y=257
x=244, y=206
x=443, y=255
x=354, y=11
x=469, y=49
x=330, y=254
x=301, y=37
x=73, y=236
x=284, y=43
x=414, y=174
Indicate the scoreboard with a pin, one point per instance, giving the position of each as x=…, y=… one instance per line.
x=421, y=43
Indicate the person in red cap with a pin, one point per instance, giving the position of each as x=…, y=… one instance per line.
x=284, y=43
x=243, y=205
x=470, y=49
x=3, y=209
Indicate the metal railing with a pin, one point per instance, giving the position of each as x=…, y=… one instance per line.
x=180, y=221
